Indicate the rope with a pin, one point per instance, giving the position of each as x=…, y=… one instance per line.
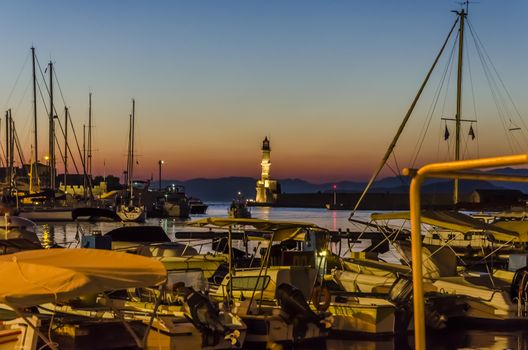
x=402, y=125
x=72, y=158
x=450, y=69
x=525, y=127
x=432, y=107
x=500, y=105
x=475, y=117
x=16, y=81
x=58, y=84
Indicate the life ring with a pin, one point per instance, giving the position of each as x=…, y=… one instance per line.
x=521, y=294
x=321, y=298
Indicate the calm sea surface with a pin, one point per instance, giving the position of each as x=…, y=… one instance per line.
x=68, y=233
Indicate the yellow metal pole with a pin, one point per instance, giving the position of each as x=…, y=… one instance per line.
x=417, y=274
x=480, y=176
x=448, y=169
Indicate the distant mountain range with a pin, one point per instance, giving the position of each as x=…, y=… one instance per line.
x=225, y=188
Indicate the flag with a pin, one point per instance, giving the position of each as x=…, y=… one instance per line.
x=471, y=132
x=446, y=133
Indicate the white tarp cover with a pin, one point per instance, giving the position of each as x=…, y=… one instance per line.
x=39, y=276
x=452, y=220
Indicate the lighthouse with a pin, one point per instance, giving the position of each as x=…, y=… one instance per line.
x=265, y=163
x=267, y=189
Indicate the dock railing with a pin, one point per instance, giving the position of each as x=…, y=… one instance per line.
x=447, y=170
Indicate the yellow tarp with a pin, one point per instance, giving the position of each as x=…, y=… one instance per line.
x=108, y=194
x=283, y=230
x=39, y=276
x=519, y=226
x=451, y=220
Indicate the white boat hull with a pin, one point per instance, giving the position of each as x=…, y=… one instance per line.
x=271, y=329
x=53, y=214
x=364, y=315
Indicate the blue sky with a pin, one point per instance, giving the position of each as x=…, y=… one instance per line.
x=329, y=81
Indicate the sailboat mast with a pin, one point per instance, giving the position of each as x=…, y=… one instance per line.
x=458, y=115
x=7, y=140
x=89, y=151
x=35, y=171
x=11, y=149
x=8, y=147
x=128, y=152
x=65, y=147
x=131, y=171
x=51, y=131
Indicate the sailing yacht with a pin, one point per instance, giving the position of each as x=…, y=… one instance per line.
x=130, y=211
x=462, y=242
x=486, y=296
x=39, y=202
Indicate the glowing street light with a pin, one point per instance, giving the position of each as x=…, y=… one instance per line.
x=160, y=163
x=47, y=159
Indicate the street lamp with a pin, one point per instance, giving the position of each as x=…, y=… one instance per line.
x=160, y=163
x=46, y=158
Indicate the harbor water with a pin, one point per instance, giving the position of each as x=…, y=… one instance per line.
x=67, y=234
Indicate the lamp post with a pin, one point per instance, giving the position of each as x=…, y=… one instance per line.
x=160, y=163
x=335, y=194
x=46, y=158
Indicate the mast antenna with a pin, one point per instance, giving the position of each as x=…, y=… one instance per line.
x=466, y=4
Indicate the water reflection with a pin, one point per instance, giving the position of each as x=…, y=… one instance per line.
x=261, y=213
x=457, y=338
x=453, y=339
x=389, y=343
x=48, y=235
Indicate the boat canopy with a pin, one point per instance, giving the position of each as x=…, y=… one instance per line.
x=139, y=234
x=282, y=230
x=40, y=276
x=519, y=226
x=110, y=194
x=452, y=220
x=508, y=215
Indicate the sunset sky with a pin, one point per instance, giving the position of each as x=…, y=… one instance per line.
x=328, y=81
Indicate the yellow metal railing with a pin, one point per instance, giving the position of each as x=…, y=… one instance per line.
x=452, y=170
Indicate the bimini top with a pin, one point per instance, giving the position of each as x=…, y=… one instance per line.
x=282, y=230
x=451, y=220
x=41, y=276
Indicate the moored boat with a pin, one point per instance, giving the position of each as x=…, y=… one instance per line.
x=197, y=206
x=239, y=208
x=132, y=211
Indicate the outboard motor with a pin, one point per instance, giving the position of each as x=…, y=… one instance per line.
x=293, y=303
x=438, y=308
x=205, y=317
x=400, y=294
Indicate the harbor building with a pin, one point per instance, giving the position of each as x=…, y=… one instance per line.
x=267, y=189
x=76, y=185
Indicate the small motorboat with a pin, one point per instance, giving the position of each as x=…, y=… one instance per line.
x=238, y=208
